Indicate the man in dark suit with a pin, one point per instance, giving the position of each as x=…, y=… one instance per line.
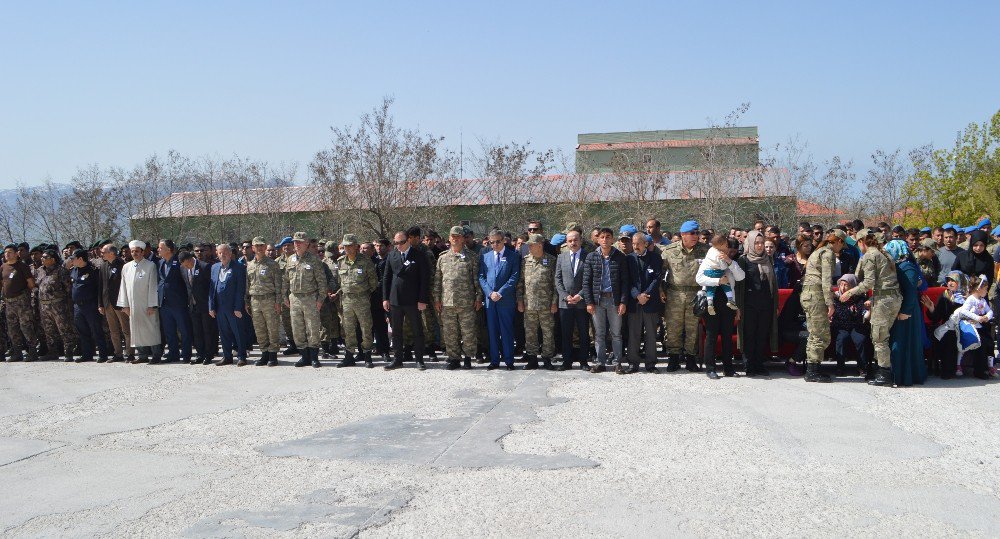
x=205, y=331
x=499, y=271
x=173, y=295
x=226, y=303
x=644, y=304
x=405, y=292
x=572, y=308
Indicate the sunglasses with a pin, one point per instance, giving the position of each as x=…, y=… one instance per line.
x=533, y=229
x=399, y=242
x=496, y=242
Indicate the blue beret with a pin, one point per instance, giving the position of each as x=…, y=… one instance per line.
x=558, y=239
x=996, y=231
x=689, y=226
x=627, y=230
x=970, y=229
x=649, y=239
x=984, y=222
x=925, y=230
x=948, y=226
x=284, y=241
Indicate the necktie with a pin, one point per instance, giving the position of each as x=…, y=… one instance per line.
x=498, y=259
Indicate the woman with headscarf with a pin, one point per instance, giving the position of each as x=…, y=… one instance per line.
x=976, y=261
x=946, y=348
x=757, y=298
x=907, y=335
x=878, y=270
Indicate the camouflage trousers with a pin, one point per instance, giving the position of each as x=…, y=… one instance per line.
x=330, y=320
x=817, y=324
x=266, y=322
x=286, y=323
x=535, y=320
x=884, y=311
x=430, y=320
x=21, y=322
x=57, y=324
x=679, y=323
x=306, y=325
x=357, y=312
x=459, y=331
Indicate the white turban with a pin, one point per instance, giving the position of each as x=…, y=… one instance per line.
x=136, y=244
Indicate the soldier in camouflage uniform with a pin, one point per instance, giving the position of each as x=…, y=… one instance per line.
x=264, y=283
x=356, y=275
x=680, y=267
x=52, y=283
x=305, y=285
x=536, y=298
x=287, y=250
x=880, y=277
x=817, y=301
x=329, y=316
x=457, y=298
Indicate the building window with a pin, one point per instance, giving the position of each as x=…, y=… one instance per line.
x=647, y=159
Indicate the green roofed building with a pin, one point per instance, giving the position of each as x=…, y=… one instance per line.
x=666, y=150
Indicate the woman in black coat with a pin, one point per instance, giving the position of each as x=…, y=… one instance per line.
x=976, y=261
x=757, y=298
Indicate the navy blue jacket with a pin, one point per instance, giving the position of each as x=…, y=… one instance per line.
x=645, y=273
x=228, y=295
x=502, y=277
x=171, y=290
x=86, y=285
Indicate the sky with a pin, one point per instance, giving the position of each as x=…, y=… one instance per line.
x=111, y=83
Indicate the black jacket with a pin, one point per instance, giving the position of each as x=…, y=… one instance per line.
x=86, y=285
x=111, y=281
x=645, y=274
x=201, y=285
x=406, y=282
x=593, y=270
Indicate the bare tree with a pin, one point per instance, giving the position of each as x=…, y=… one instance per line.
x=884, y=186
x=513, y=177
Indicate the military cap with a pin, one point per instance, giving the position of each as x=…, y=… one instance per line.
x=457, y=231
x=928, y=243
x=50, y=253
x=925, y=230
x=468, y=231
x=349, y=239
x=330, y=247
x=79, y=253
x=627, y=230
x=284, y=241
x=970, y=229
x=984, y=222
x=322, y=241
x=558, y=239
x=258, y=241
x=839, y=233
x=573, y=225
x=535, y=239
x=996, y=231
x=300, y=236
x=74, y=243
x=689, y=226
x=948, y=226
x=36, y=249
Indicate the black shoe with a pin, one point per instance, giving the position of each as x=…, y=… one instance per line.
x=394, y=365
x=420, y=365
x=451, y=365
x=712, y=375
x=531, y=362
x=634, y=368
x=348, y=360
x=263, y=359
x=291, y=350
x=598, y=368
x=673, y=364
x=303, y=358
x=692, y=364
x=241, y=363
x=883, y=378
x=620, y=369
x=185, y=361
x=509, y=367
x=102, y=359
x=69, y=359
x=334, y=348
x=156, y=360
x=652, y=369
x=585, y=366
x=407, y=354
x=224, y=361
x=314, y=356
x=467, y=363
x=841, y=370
x=492, y=367
x=813, y=374
x=480, y=357
x=367, y=356
x=206, y=361
x=567, y=364
x=82, y=359
x=547, y=363
x=273, y=359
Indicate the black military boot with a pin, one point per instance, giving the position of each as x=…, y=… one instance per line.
x=263, y=359
x=727, y=368
x=325, y=347
x=348, y=360
x=304, y=359
x=367, y=356
x=883, y=378
x=813, y=374
x=452, y=364
x=334, y=348
x=633, y=368
x=531, y=362
x=314, y=357
x=467, y=363
x=15, y=355
x=408, y=354
x=272, y=359
x=547, y=363
x=291, y=350
x=420, y=364
x=567, y=363
x=673, y=363
x=691, y=364
x=395, y=364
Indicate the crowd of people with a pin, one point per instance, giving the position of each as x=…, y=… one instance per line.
x=620, y=300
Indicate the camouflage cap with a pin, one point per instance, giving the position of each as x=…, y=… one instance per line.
x=839, y=233
x=928, y=243
x=535, y=239
x=300, y=236
x=258, y=241
x=349, y=239
x=573, y=225
x=468, y=231
x=457, y=231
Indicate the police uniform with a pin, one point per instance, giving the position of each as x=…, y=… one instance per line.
x=52, y=284
x=357, y=281
x=680, y=267
x=264, y=284
x=456, y=288
x=305, y=284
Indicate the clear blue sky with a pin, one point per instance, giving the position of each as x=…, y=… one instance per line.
x=111, y=83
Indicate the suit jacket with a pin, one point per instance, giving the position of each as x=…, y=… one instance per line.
x=500, y=277
x=111, y=279
x=593, y=270
x=568, y=284
x=171, y=289
x=645, y=273
x=200, y=285
x=228, y=294
x=406, y=281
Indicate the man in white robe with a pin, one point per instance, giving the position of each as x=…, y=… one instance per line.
x=138, y=298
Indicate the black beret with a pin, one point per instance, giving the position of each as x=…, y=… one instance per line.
x=23, y=244
x=74, y=243
x=50, y=253
x=79, y=253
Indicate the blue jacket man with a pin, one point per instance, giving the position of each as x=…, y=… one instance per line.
x=499, y=271
x=226, y=305
x=173, y=294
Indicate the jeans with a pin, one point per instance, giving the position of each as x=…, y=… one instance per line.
x=606, y=318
